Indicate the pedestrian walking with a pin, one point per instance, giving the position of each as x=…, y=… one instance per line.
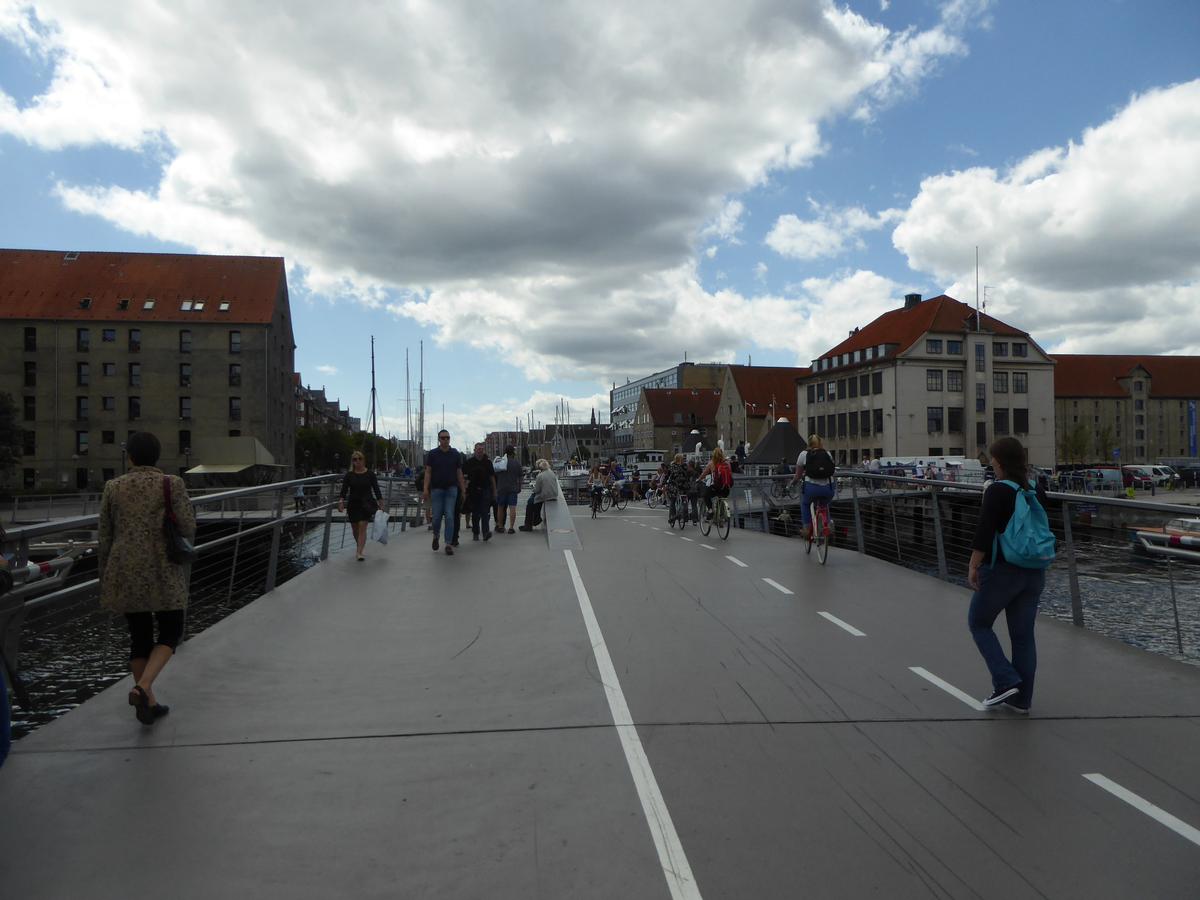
x=508, y=486
x=444, y=484
x=480, y=473
x=358, y=486
x=298, y=498
x=1010, y=582
x=137, y=579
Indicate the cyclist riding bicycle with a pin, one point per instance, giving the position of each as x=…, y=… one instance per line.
x=597, y=481
x=718, y=479
x=816, y=467
x=676, y=483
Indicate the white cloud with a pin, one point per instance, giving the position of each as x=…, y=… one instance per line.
x=830, y=233
x=436, y=157
x=1090, y=246
x=760, y=271
x=327, y=370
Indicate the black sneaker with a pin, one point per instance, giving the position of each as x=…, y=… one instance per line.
x=449, y=550
x=435, y=544
x=487, y=536
x=474, y=537
x=999, y=697
x=1012, y=706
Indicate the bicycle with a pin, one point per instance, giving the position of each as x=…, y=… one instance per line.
x=721, y=519
x=614, y=497
x=820, y=531
x=781, y=490
x=677, y=509
x=597, y=501
x=653, y=496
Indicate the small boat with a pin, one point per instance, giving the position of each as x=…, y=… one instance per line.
x=1179, y=538
x=40, y=576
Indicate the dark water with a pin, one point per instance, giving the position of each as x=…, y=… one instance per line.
x=72, y=654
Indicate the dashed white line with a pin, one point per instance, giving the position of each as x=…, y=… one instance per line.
x=737, y=562
x=674, y=862
x=707, y=547
x=689, y=540
x=775, y=584
x=1180, y=827
x=844, y=625
x=948, y=688
x=656, y=528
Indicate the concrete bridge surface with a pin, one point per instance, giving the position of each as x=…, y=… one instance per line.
x=650, y=715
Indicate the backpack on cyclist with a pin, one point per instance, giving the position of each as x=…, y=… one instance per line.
x=1027, y=540
x=819, y=464
x=722, y=477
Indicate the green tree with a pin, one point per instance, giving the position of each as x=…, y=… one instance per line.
x=1105, y=442
x=10, y=433
x=1075, y=443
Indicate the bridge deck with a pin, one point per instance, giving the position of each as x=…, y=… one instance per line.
x=423, y=726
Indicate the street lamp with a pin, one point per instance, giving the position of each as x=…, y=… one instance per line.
x=123, y=457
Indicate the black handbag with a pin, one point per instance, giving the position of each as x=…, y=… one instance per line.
x=180, y=550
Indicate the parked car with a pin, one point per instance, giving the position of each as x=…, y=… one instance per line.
x=1167, y=475
x=1138, y=477
x=1189, y=476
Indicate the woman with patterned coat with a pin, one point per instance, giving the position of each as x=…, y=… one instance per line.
x=136, y=578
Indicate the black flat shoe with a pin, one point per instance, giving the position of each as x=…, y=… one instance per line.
x=140, y=702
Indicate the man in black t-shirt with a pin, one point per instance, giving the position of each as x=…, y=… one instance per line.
x=444, y=483
x=481, y=488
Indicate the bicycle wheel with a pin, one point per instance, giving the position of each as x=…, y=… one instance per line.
x=652, y=499
x=724, y=519
x=706, y=523
x=595, y=505
x=812, y=522
x=605, y=501
x=681, y=512
x=620, y=502
x=823, y=534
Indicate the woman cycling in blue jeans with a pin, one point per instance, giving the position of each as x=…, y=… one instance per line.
x=816, y=467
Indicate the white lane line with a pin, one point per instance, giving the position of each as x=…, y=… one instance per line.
x=845, y=625
x=948, y=688
x=643, y=525
x=737, y=562
x=775, y=584
x=1161, y=816
x=707, y=547
x=676, y=869
x=656, y=528
x=689, y=540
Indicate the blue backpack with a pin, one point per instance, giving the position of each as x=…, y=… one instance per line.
x=1027, y=541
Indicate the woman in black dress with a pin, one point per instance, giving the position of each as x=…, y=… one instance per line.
x=359, y=485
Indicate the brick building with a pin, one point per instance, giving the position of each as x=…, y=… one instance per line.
x=753, y=398
x=95, y=346
x=666, y=417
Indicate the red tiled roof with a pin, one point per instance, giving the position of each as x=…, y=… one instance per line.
x=665, y=402
x=49, y=284
x=1096, y=375
x=758, y=384
x=904, y=327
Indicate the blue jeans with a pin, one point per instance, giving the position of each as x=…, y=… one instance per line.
x=443, y=501
x=813, y=492
x=1015, y=592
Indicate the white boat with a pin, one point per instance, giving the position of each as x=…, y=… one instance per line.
x=1179, y=538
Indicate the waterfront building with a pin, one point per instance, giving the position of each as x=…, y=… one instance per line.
x=932, y=378
x=1126, y=409
x=95, y=346
x=623, y=400
x=666, y=418
x=315, y=410
x=753, y=398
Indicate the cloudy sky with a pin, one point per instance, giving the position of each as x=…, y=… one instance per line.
x=557, y=196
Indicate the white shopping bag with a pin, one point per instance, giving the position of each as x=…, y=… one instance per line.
x=380, y=527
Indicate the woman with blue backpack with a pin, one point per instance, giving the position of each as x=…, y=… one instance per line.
x=1012, y=548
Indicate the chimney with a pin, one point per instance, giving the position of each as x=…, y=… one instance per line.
x=911, y=300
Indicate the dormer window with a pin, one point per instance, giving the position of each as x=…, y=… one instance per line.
x=149, y=304
x=185, y=306
x=197, y=306
x=71, y=257
x=122, y=305
x=85, y=303
x=224, y=306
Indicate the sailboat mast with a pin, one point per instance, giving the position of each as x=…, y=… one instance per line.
x=374, y=432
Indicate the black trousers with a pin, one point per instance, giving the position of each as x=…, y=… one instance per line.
x=141, y=631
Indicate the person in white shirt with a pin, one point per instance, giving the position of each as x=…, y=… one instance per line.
x=816, y=467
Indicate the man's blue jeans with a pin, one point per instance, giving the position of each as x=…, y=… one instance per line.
x=813, y=492
x=443, y=501
x=1015, y=592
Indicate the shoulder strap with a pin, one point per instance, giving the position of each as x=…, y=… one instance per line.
x=167, y=497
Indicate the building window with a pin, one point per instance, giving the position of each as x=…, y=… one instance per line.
x=841, y=425
x=81, y=443
x=821, y=393
x=108, y=335
x=185, y=407
x=853, y=423
x=30, y=409
x=954, y=381
x=1140, y=434
x=877, y=382
x=135, y=408
x=1020, y=349
x=28, y=479
x=28, y=443
x=955, y=420
x=954, y=348
x=812, y=425
x=185, y=340
x=108, y=369
x=185, y=374
x=1139, y=420
x=1021, y=421
x=1000, y=382
x=235, y=342
x=1139, y=404
x=185, y=440
x=841, y=388
x=1000, y=421
x=1000, y=349
x=30, y=374
x=135, y=374
x=1020, y=382
x=933, y=379
x=980, y=397
x=83, y=340
x=853, y=386
x=864, y=422
x=935, y=451
x=933, y=345
x=854, y=457
x=81, y=409
x=235, y=432
x=877, y=421
x=82, y=374
x=235, y=409
x=1138, y=387
x=123, y=304
x=812, y=389
x=933, y=419
x=980, y=357
x=108, y=437
x=981, y=434
x=30, y=339
x=135, y=340
x=831, y=391
x=864, y=384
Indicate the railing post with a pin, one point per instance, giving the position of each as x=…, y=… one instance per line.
x=404, y=516
x=943, y=571
x=1174, y=606
x=273, y=564
x=858, y=529
x=1072, y=570
x=325, y=536
x=237, y=546
x=50, y=509
x=895, y=524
